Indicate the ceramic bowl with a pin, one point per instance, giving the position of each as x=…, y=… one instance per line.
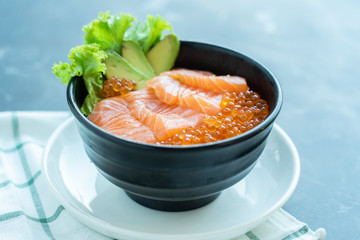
x=179, y=178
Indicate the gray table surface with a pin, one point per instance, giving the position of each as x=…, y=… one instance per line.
x=312, y=47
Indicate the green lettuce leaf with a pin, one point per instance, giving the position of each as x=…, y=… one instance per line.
x=86, y=61
x=103, y=35
x=108, y=30
x=149, y=33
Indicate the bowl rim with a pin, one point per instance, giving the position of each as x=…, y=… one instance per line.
x=225, y=142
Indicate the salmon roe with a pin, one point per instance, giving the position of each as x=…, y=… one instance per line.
x=240, y=113
x=115, y=86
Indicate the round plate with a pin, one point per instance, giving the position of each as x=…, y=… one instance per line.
x=107, y=209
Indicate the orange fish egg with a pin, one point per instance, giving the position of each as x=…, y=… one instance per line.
x=234, y=119
x=179, y=107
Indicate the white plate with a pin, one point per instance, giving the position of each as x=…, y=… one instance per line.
x=107, y=209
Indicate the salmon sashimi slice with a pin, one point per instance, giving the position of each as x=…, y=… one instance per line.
x=113, y=115
x=163, y=119
x=170, y=91
x=203, y=79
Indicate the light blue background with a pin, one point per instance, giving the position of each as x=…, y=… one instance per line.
x=311, y=46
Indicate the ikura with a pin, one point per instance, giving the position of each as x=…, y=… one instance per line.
x=240, y=113
x=115, y=86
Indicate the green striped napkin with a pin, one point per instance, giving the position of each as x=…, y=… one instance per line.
x=29, y=211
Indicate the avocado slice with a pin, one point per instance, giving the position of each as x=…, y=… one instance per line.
x=132, y=52
x=163, y=55
x=118, y=66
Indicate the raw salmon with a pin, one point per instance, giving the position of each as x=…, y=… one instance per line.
x=208, y=81
x=163, y=119
x=170, y=103
x=113, y=115
x=170, y=91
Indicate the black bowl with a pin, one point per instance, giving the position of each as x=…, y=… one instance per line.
x=178, y=178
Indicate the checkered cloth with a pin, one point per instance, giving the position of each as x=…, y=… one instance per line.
x=29, y=211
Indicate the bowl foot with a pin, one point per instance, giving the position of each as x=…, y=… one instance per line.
x=172, y=206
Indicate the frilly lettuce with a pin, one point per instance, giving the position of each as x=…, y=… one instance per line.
x=149, y=33
x=86, y=61
x=103, y=35
x=108, y=30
